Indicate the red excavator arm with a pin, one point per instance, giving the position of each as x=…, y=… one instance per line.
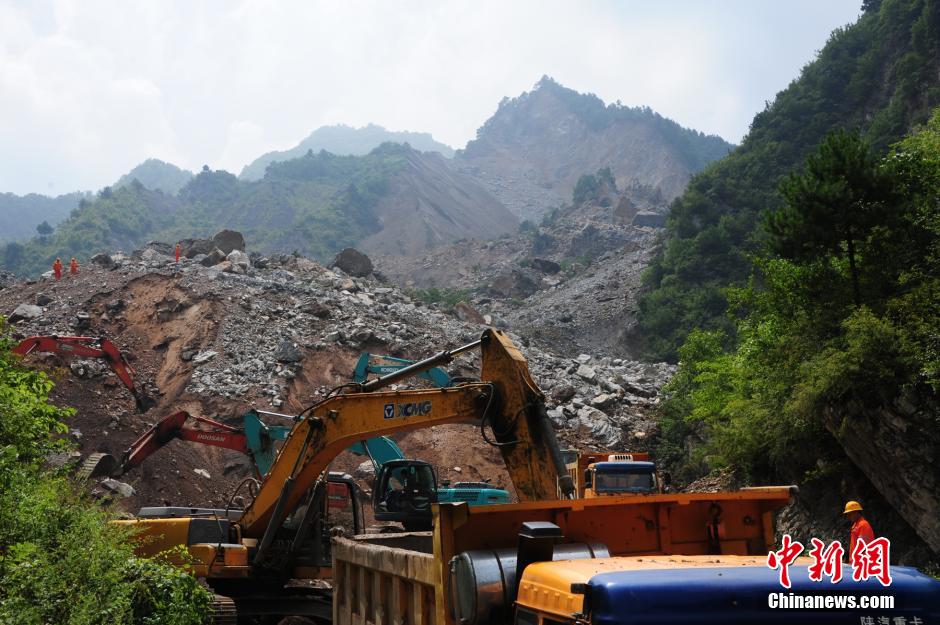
x=218, y=435
x=88, y=347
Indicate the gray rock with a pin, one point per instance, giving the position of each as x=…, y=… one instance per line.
x=319, y=310
x=514, y=283
x=153, y=256
x=557, y=416
x=545, y=265
x=353, y=262
x=203, y=357
x=288, y=352
x=202, y=473
x=586, y=373
x=213, y=257
x=190, y=248
x=602, y=401
x=42, y=299
x=365, y=469
x=564, y=393
x=25, y=312
x=650, y=220
x=81, y=321
x=239, y=259
x=87, y=368
x=160, y=247
x=229, y=241
x=584, y=358
x=122, y=489
x=103, y=260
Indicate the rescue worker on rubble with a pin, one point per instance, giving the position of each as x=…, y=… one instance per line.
x=176, y=252
x=57, y=268
x=861, y=528
x=73, y=266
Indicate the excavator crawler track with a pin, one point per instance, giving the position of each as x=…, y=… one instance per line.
x=223, y=611
x=96, y=465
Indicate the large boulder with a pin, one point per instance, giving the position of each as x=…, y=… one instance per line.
x=25, y=312
x=103, y=260
x=212, y=257
x=240, y=260
x=353, y=262
x=545, y=265
x=650, y=220
x=466, y=312
x=288, y=352
x=190, y=248
x=229, y=241
x=160, y=247
x=514, y=283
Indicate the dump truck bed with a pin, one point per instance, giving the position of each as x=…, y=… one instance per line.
x=402, y=579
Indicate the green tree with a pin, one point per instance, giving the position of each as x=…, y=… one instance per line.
x=12, y=254
x=60, y=559
x=44, y=229
x=832, y=206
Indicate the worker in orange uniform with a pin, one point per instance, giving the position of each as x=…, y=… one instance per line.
x=861, y=528
x=57, y=268
x=73, y=266
x=177, y=252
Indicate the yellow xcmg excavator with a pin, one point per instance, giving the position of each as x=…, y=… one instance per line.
x=267, y=559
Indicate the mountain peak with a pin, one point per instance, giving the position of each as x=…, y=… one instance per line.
x=536, y=146
x=157, y=175
x=344, y=140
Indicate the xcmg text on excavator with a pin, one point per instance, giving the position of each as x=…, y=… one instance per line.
x=258, y=439
x=617, y=560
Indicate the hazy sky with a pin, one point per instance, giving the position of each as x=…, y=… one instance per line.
x=88, y=89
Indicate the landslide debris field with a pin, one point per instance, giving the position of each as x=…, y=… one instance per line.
x=276, y=334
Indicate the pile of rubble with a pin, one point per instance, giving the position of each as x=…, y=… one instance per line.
x=284, y=310
x=270, y=329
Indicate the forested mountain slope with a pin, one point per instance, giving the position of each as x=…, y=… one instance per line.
x=157, y=175
x=881, y=74
x=317, y=205
x=20, y=214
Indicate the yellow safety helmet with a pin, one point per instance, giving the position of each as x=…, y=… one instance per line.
x=852, y=506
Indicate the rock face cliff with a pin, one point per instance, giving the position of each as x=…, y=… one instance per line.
x=532, y=151
x=897, y=447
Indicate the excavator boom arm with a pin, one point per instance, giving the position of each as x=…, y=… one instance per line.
x=507, y=400
x=168, y=428
x=87, y=347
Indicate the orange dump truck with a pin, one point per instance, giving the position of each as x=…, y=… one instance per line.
x=666, y=558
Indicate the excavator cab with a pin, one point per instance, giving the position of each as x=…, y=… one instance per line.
x=404, y=491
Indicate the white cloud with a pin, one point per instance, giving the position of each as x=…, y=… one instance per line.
x=90, y=88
